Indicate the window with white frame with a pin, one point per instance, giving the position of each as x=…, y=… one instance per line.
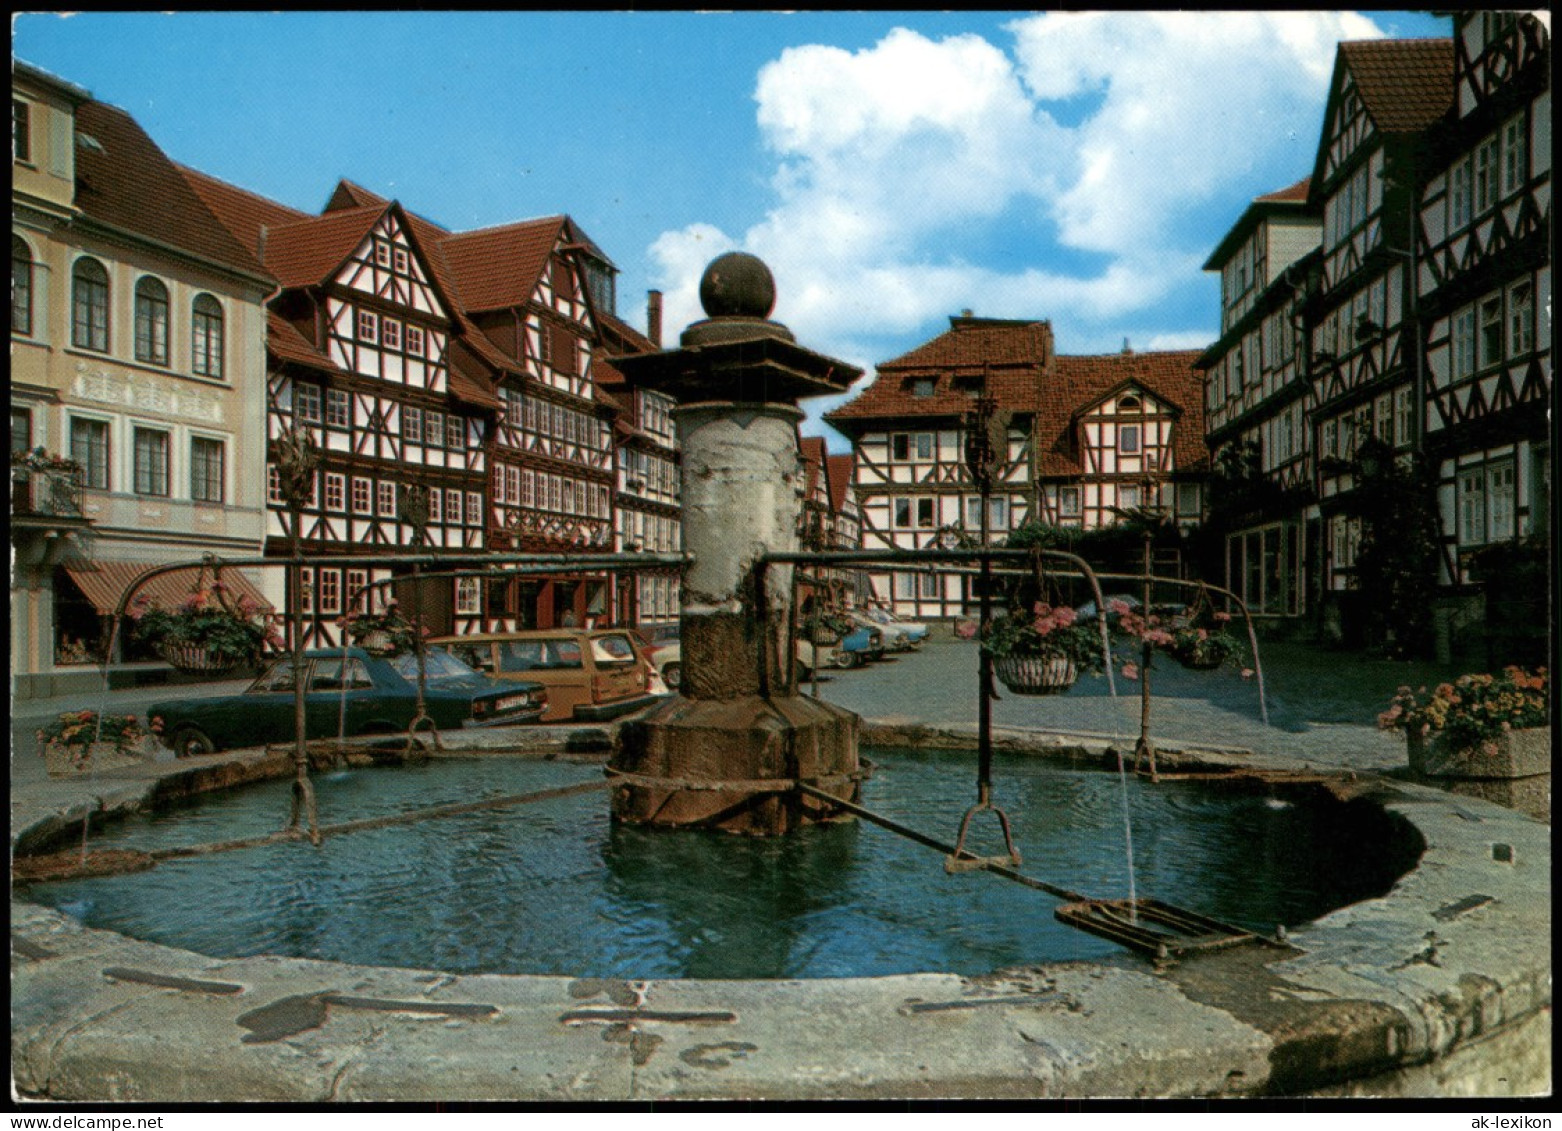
x=306, y=402
x=338, y=408
x=469, y=596
x=906, y=586
x=1127, y=496
x=1472, y=506
x=1515, y=155
x=411, y=423
x=330, y=590
x=453, y=507
x=1128, y=437
x=362, y=495
x=902, y=507
x=433, y=428
x=89, y=305
x=413, y=341
x=1383, y=419
x=528, y=487
x=1521, y=319
x=273, y=484
x=1490, y=332
x=357, y=581
x=455, y=434
x=474, y=507
x=368, y=326
x=1486, y=174
x=1462, y=343
x=1459, y=195
x=385, y=492
x=1068, y=501
x=335, y=491
x=998, y=514
x=21, y=286
x=1404, y=415
x=1499, y=500
x=436, y=508
x=1331, y=442
x=390, y=333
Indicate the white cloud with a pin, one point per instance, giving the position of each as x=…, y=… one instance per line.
x=1126, y=143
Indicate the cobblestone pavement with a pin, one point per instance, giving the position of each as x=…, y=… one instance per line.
x=1322, y=705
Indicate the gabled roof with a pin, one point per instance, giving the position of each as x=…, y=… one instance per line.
x=1289, y=201
x=1008, y=354
x=500, y=268
x=307, y=252
x=350, y=195
x=839, y=470
x=1076, y=383
x=124, y=180
x=1405, y=84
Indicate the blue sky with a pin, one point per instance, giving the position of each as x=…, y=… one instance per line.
x=892, y=168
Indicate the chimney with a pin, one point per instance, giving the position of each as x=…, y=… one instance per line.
x=1126, y=347
x=653, y=317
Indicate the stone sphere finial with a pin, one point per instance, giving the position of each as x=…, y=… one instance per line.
x=738, y=285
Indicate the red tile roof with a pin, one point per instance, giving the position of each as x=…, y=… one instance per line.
x=839, y=470
x=1011, y=355
x=242, y=212
x=1405, y=84
x=498, y=268
x=123, y=179
x=1077, y=383
x=1296, y=193
x=1027, y=378
x=307, y=252
x=350, y=195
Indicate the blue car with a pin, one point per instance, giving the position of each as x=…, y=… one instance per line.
x=858, y=647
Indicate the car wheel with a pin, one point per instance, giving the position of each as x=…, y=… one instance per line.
x=192, y=742
x=848, y=660
x=672, y=676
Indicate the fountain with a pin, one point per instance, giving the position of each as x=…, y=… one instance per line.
x=1440, y=985
x=727, y=751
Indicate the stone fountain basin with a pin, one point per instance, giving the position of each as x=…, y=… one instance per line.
x=1442, y=987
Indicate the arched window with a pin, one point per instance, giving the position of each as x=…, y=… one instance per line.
x=1129, y=403
x=151, y=321
x=21, y=286
x=89, y=305
x=206, y=336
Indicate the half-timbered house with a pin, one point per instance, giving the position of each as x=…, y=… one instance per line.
x=1086, y=438
x=533, y=290
x=646, y=512
x=1485, y=291
x=1119, y=432
x=363, y=358
x=1366, y=359
x=1260, y=401
x=908, y=437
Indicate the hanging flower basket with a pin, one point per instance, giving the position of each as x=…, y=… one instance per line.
x=1036, y=675
x=194, y=659
x=377, y=641
x=71, y=747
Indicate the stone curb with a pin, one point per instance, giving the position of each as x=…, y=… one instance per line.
x=1441, y=987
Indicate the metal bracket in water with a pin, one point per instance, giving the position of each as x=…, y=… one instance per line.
x=962, y=861
x=1155, y=928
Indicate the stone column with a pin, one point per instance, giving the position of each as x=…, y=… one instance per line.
x=725, y=752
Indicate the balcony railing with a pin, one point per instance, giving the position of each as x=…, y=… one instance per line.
x=43, y=494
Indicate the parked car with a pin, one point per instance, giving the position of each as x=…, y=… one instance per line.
x=665, y=652
x=347, y=691
x=899, y=635
x=858, y=647
x=590, y=674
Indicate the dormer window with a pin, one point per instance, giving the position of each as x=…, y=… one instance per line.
x=923, y=386
x=971, y=386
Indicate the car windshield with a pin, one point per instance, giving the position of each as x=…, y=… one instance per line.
x=438, y=664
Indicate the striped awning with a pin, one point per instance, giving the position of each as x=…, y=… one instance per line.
x=104, y=583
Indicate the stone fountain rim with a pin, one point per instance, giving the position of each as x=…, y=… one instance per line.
x=1426, y=976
